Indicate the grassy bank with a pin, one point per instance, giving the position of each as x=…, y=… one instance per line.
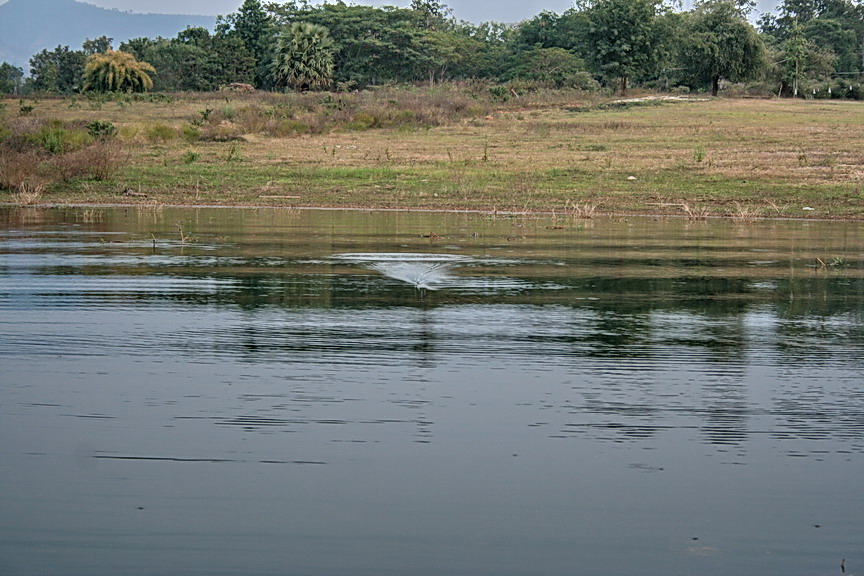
x=448, y=149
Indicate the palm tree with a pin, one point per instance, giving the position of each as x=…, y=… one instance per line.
x=116, y=71
x=304, y=57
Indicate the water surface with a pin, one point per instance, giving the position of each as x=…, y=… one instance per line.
x=205, y=391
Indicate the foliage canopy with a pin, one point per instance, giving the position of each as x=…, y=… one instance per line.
x=722, y=44
x=627, y=38
x=613, y=42
x=303, y=57
x=117, y=72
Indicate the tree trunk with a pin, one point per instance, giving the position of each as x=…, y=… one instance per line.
x=715, y=86
x=795, y=83
x=623, y=86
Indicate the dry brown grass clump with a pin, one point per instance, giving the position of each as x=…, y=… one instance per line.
x=36, y=152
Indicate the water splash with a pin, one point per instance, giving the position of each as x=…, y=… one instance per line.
x=423, y=271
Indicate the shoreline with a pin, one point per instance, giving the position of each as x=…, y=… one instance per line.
x=478, y=211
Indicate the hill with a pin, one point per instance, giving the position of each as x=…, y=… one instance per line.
x=29, y=26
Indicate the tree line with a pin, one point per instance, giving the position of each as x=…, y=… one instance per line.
x=806, y=47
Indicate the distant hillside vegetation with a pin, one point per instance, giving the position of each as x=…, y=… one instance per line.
x=29, y=26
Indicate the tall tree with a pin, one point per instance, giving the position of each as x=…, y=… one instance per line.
x=195, y=60
x=795, y=50
x=433, y=14
x=57, y=70
x=10, y=78
x=255, y=27
x=99, y=45
x=551, y=30
x=627, y=38
x=138, y=46
x=485, y=50
x=835, y=26
x=181, y=66
x=117, y=72
x=721, y=43
x=303, y=59
x=373, y=45
x=844, y=37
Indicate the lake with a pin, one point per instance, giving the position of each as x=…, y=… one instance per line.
x=259, y=391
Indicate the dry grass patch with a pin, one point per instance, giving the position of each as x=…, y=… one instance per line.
x=366, y=150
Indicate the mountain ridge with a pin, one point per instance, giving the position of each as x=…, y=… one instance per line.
x=30, y=26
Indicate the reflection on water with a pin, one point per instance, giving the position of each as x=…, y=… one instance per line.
x=275, y=395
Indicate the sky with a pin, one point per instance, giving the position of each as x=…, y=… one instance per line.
x=471, y=10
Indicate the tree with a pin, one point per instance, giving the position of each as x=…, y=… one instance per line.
x=553, y=67
x=255, y=28
x=795, y=50
x=138, y=47
x=834, y=26
x=721, y=43
x=58, y=70
x=10, y=78
x=626, y=37
x=195, y=60
x=373, y=45
x=551, y=30
x=117, y=72
x=484, y=51
x=840, y=37
x=303, y=59
x=433, y=14
x=98, y=46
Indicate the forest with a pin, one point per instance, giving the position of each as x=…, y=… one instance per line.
x=807, y=48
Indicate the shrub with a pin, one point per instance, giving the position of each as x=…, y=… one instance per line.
x=160, y=132
x=251, y=120
x=224, y=132
x=96, y=162
x=35, y=152
x=362, y=121
x=101, y=130
x=17, y=168
x=281, y=128
x=191, y=133
x=54, y=138
x=838, y=89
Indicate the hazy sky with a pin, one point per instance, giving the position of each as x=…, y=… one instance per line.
x=472, y=10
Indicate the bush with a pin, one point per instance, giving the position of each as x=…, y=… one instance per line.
x=251, y=120
x=160, y=132
x=16, y=168
x=101, y=130
x=284, y=127
x=95, y=162
x=836, y=89
x=191, y=133
x=362, y=121
x=224, y=132
x=35, y=152
x=57, y=139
